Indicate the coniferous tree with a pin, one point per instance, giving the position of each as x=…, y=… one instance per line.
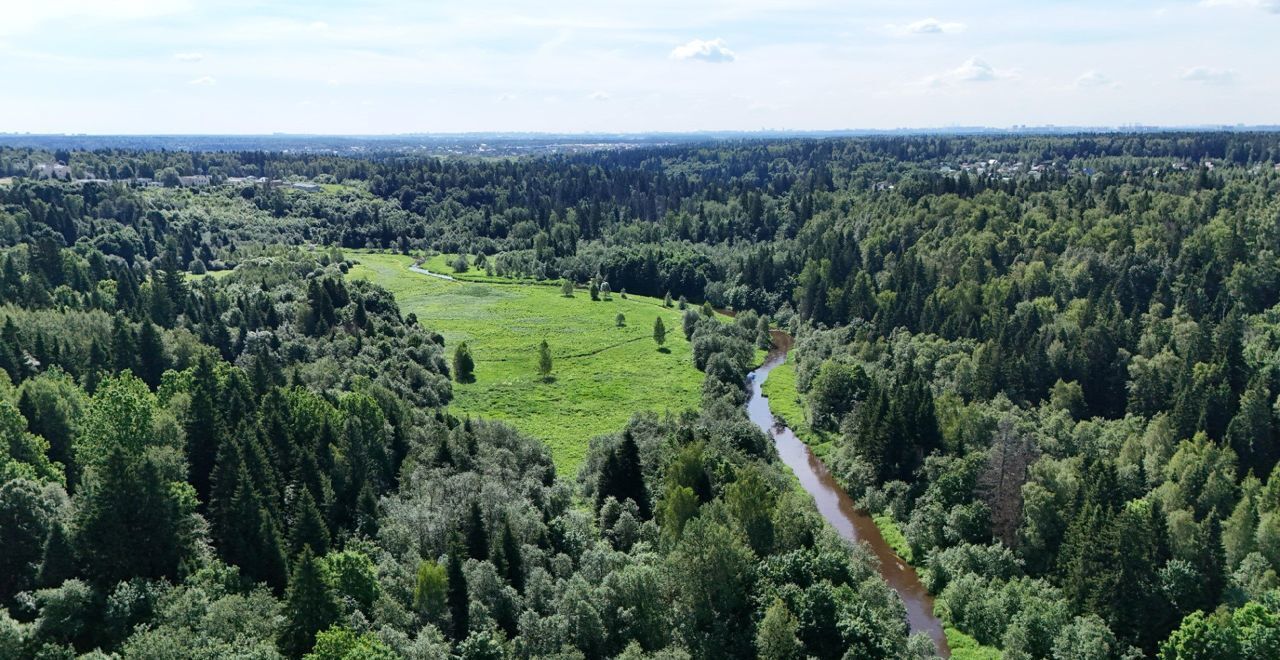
x=128, y=522
x=59, y=562
x=457, y=596
x=622, y=476
x=659, y=332
x=123, y=346
x=309, y=606
x=477, y=535
x=151, y=358
x=203, y=427
x=512, y=560
x=308, y=527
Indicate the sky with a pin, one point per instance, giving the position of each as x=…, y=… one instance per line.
x=385, y=66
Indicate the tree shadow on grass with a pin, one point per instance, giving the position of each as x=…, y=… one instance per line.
x=663, y=349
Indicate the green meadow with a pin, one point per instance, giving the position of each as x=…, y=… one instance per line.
x=601, y=373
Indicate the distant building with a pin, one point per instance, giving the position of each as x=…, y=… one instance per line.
x=307, y=187
x=193, y=181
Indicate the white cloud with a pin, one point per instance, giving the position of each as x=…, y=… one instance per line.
x=188, y=57
x=1209, y=75
x=508, y=98
x=927, y=26
x=974, y=70
x=203, y=81
x=1094, y=79
x=714, y=50
x=1272, y=6
x=599, y=96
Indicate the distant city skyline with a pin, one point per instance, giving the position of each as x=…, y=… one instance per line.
x=571, y=66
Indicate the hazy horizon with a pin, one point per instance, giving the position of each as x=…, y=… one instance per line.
x=182, y=67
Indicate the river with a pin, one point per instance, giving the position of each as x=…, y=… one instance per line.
x=838, y=508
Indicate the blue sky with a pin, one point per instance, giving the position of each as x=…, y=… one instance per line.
x=381, y=66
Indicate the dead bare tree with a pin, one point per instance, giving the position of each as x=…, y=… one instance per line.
x=1000, y=484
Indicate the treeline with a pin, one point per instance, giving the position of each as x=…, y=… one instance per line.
x=1066, y=398
x=260, y=465
x=1050, y=360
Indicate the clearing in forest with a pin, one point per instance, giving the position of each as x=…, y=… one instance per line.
x=601, y=373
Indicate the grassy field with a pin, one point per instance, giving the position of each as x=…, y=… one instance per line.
x=601, y=374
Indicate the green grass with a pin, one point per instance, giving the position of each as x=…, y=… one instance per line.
x=964, y=647
x=789, y=404
x=215, y=274
x=443, y=264
x=602, y=374
x=893, y=535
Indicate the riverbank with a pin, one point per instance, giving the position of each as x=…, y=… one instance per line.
x=787, y=406
x=839, y=510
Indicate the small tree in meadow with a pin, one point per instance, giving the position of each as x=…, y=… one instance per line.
x=605, y=291
x=707, y=310
x=460, y=264
x=544, y=359
x=659, y=331
x=620, y=320
x=595, y=290
x=566, y=288
x=623, y=293
x=666, y=300
x=463, y=366
x=684, y=303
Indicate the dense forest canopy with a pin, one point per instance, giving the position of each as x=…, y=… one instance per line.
x=1050, y=360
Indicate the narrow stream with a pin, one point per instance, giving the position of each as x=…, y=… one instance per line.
x=837, y=507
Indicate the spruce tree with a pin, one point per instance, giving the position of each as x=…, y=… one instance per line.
x=309, y=607
x=622, y=476
x=224, y=483
x=477, y=535
x=151, y=358
x=459, y=612
x=308, y=525
x=203, y=427
x=659, y=332
x=59, y=561
x=128, y=522
x=512, y=559
x=123, y=345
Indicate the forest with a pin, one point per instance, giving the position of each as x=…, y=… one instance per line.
x=1050, y=364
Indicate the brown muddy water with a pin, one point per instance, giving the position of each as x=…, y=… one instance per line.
x=838, y=508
